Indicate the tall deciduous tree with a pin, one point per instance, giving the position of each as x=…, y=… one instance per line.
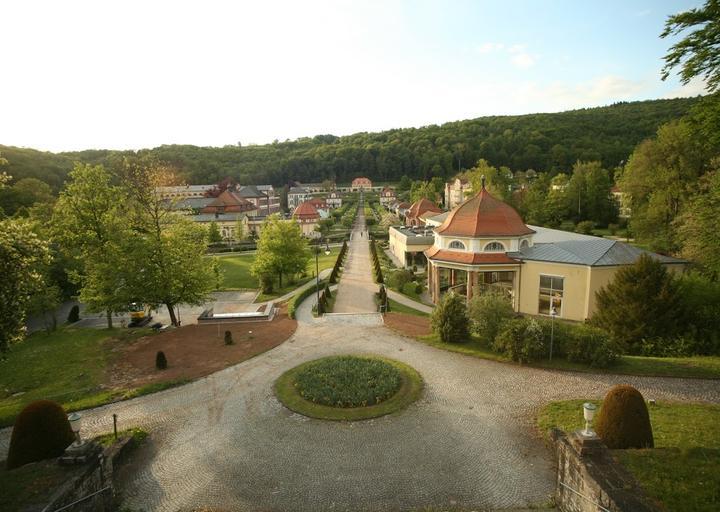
x=90, y=223
x=165, y=256
x=698, y=53
x=281, y=250
x=589, y=193
x=22, y=256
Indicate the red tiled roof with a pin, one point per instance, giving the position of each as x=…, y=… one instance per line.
x=229, y=201
x=404, y=205
x=306, y=211
x=420, y=207
x=470, y=258
x=483, y=215
x=361, y=181
x=317, y=202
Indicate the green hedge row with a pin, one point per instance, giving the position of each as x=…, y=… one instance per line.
x=297, y=299
x=376, y=263
x=338, y=263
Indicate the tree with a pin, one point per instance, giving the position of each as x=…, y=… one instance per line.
x=405, y=184
x=165, y=256
x=589, y=192
x=497, y=181
x=324, y=227
x=90, y=223
x=328, y=185
x=423, y=190
x=4, y=177
x=213, y=234
x=22, y=256
x=488, y=311
x=281, y=249
x=642, y=302
x=239, y=230
x=449, y=319
x=698, y=53
x=697, y=226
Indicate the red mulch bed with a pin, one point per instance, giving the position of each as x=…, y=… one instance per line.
x=196, y=350
x=409, y=325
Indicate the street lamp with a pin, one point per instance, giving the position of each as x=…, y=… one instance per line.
x=317, y=270
x=588, y=413
x=553, y=314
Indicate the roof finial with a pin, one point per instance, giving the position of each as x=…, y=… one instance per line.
x=483, y=181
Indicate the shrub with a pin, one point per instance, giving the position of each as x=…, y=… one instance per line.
x=299, y=298
x=266, y=283
x=348, y=381
x=160, y=360
x=585, y=227
x=74, y=314
x=41, y=431
x=613, y=228
x=623, y=420
x=521, y=340
x=590, y=345
x=228, y=339
x=411, y=288
x=328, y=293
x=449, y=319
x=487, y=312
x=399, y=278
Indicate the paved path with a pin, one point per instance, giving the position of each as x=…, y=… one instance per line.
x=356, y=288
x=402, y=299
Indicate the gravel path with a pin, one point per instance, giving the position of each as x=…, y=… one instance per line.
x=225, y=440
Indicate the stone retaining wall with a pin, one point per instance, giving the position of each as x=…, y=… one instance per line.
x=590, y=480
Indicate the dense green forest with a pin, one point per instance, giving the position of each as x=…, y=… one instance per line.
x=544, y=142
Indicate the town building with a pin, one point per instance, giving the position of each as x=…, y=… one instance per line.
x=419, y=211
x=264, y=203
x=184, y=191
x=230, y=201
x=297, y=195
x=387, y=196
x=308, y=217
x=484, y=246
x=318, y=202
x=334, y=199
x=622, y=200
x=361, y=183
x=456, y=191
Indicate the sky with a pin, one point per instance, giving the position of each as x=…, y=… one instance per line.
x=135, y=74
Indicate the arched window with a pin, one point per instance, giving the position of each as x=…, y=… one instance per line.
x=524, y=244
x=494, y=247
x=457, y=244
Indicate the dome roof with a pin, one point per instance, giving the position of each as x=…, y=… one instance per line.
x=306, y=211
x=421, y=206
x=483, y=215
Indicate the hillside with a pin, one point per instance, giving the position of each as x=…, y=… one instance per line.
x=544, y=142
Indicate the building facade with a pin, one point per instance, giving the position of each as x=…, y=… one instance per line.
x=456, y=191
x=334, y=199
x=387, y=196
x=297, y=195
x=308, y=217
x=419, y=211
x=361, y=183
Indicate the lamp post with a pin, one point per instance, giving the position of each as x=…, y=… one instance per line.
x=588, y=413
x=553, y=314
x=317, y=270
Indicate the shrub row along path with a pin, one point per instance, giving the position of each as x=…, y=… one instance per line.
x=469, y=442
x=356, y=287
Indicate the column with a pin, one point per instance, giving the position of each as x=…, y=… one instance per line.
x=452, y=277
x=436, y=285
x=430, y=280
x=471, y=280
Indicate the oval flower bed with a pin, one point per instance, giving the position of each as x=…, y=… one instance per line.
x=348, y=387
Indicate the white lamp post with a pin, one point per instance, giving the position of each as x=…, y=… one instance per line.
x=588, y=413
x=75, y=420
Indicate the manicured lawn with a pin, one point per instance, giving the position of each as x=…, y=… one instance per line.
x=707, y=367
x=67, y=366
x=683, y=470
x=236, y=273
x=396, y=307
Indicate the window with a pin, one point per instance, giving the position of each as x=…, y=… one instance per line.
x=551, y=295
x=457, y=244
x=524, y=244
x=494, y=247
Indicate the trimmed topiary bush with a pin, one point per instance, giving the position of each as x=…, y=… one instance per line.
x=74, y=314
x=328, y=293
x=41, y=431
x=449, y=319
x=228, y=338
x=623, y=420
x=160, y=360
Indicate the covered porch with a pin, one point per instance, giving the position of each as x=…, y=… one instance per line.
x=473, y=280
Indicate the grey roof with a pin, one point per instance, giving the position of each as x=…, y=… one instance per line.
x=595, y=252
x=547, y=235
x=250, y=191
x=264, y=188
x=222, y=217
x=194, y=203
x=439, y=218
x=298, y=190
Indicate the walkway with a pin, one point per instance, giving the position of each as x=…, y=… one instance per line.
x=407, y=301
x=356, y=289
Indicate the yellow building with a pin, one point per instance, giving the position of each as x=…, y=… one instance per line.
x=483, y=245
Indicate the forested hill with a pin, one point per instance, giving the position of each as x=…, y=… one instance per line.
x=544, y=142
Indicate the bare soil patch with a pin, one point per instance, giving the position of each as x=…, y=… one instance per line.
x=409, y=325
x=196, y=350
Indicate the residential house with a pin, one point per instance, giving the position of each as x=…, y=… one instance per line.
x=297, y=195
x=334, y=199
x=387, y=196
x=308, y=217
x=456, y=191
x=361, y=183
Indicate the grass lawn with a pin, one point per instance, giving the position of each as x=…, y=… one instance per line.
x=707, y=367
x=66, y=366
x=683, y=470
x=396, y=307
x=236, y=273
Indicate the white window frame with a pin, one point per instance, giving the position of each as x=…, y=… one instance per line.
x=485, y=247
x=562, y=302
x=463, y=248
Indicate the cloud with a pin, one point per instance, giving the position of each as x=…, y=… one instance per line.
x=489, y=48
x=695, y=87
x=523, y=60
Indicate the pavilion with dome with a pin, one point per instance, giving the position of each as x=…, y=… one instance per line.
x=483, y=245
